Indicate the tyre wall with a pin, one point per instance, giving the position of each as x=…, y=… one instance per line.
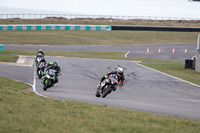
x=95, y=28
x=55, y=27
x=151, y=28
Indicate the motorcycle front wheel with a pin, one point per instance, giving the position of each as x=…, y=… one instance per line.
x=39, y=74
x=98, y=92
x=106, y=91
x=46, y=85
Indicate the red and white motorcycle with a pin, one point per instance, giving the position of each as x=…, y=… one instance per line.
x=107, y=86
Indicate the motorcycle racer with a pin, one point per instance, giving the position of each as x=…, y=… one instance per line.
x=39, y=55
x=120, y=74
x=54, y=66
x=40, y=66
x=40, y=52
x=42, y=60
x=107, y=86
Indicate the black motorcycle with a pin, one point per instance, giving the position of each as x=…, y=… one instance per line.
x=37, y=60
x=107, y=86
x=40, y=69
x=49, y=79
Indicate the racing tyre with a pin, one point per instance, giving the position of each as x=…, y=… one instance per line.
x=106, y=92
x=97, y=94
x=46, y=85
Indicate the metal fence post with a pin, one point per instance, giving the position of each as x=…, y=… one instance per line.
x=198, y=44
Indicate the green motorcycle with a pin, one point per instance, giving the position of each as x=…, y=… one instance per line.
x=49, y=79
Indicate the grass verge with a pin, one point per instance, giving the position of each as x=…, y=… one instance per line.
x=23, y=111
x=4, y=57
x=96, y=37
x=176, y=70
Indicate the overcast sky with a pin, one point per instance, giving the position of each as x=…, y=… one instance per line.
x=160, y=8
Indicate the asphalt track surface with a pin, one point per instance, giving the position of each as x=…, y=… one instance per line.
x=144, y=89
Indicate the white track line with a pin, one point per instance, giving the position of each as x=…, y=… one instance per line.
x=126, y=55
x=34, y=84
x=169, y=75
x=21, y=60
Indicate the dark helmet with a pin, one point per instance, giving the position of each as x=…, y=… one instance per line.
x=40, y=52
x=55, y=64
x=120, y=71
x=39, y=55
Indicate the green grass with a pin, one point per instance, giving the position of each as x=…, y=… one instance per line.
x=22, y=111
x=103, y=55
x=96, y=37
x=4, y=57
x=177, y=70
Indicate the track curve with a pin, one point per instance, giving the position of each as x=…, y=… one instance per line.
x=144, y=89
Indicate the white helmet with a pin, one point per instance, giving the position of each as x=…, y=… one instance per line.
x=120, y=71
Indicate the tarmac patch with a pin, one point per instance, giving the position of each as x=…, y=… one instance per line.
x=22, y=61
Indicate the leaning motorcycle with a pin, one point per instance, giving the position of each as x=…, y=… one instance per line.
x=107, y=86
x=40, y=69
x=38, y=59
x=49, y=79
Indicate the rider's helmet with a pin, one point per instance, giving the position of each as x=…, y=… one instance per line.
x=55, y=65
x=51, y=63
x=39, y=55
x=40, y=50
x=120, y=71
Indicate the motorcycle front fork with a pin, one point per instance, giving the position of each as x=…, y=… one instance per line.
x=43, y=80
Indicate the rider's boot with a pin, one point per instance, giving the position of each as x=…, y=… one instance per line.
x=56, y=80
